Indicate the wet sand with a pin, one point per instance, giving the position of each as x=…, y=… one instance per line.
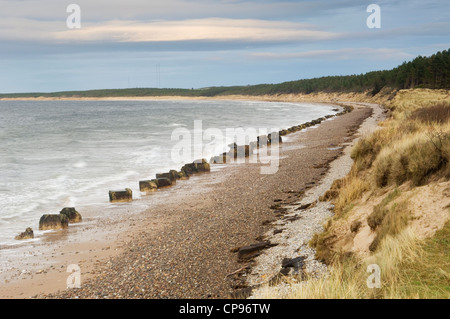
x=181, y=242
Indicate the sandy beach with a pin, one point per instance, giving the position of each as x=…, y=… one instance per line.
x=183, y=242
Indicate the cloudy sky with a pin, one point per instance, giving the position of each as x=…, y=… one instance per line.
x=201, y=43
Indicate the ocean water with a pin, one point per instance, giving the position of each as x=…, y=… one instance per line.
x=56, y=154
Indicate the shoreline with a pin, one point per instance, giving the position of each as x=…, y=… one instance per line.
x=308, y=217
x=315, y=97
x=107, y=250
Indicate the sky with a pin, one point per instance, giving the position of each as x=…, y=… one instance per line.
x=203, y=43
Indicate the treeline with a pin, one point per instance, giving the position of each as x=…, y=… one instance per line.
x=424, y=72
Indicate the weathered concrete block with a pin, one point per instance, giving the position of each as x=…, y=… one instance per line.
x=27, y=234
x=262, y=141
x=220, y=159
x=163, y=182
x=190, y=169
x=232, y=153
x=202, y=165
x=182, y=175
x=243, y=151
x=200, y=161
x=121, y=196
x=172, y=175
x=274, y=137
x=148, y=186
x=72, y=214
x=239, y=150
x=53, y=221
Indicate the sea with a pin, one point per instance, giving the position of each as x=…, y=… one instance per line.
x=60, y=153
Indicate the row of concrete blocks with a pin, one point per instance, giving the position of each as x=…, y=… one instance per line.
x=168, y=179
x=300, y=127
x=162, y=180
x=241, y=151
x=306, y=125
x=70, y=215
x=236, y=151
x=53, y=221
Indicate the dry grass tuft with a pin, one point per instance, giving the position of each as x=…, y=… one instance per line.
x=351, y=189
x=413, y=157
x=438, y=113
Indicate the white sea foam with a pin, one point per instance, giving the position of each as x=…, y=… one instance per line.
x=80, y=164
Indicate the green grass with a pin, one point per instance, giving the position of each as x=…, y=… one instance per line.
x=429, y=275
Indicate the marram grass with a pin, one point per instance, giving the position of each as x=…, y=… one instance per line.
x=409, y=268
